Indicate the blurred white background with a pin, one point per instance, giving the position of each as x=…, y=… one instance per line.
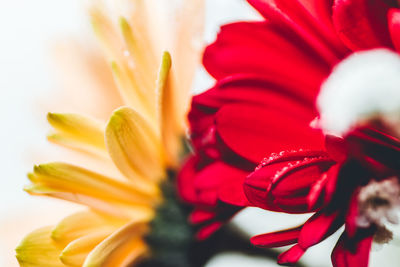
x=29, y=30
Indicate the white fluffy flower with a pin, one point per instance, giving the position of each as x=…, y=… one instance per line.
x=363, y=86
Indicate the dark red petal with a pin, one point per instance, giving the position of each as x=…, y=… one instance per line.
x=233, y=193
x=253, y=132
x=317, y=191
x=291, y=256
x=201, y=216
x=347, y=255
x=362, y=24
x=276, y=239
x=283, y=185
x=185, y=181
x=310, y=20
x=208, y=230
x=336, y=148
x=256, y=48
x=394, y=27
x=352, y=214
x=319, y=227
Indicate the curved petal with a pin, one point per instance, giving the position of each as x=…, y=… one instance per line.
x=282, y=182
x=347, y=254
x=362, y=24
x=394, y=27
x=253, y=132
x=38, y=249
x=135, y=147
x=256, y=47
x=310, y=20
x=277, y=239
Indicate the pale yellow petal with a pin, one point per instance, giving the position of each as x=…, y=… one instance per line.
x=38, y=249
x=121, y=247
x=84, y=223
x=77, y=131
x=139, y=58
x=117, y=209
x=133, y=93
x=170, y=129
x=76, y=252
x=135, y=146
x=106, y=32
x=65, y=177
x=186, y=52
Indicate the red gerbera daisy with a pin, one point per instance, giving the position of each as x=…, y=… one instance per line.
x=269, y=74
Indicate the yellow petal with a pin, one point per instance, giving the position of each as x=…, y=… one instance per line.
x=120, y=248
x=186, y=53
x=69, y=178
x=76, y=252
x=170, y=131
x=106, y=32
x=84, y=223
x=117, y=209
x=38, y=249
x=133, y=93
x=135, y=147
x=140, y=58
x=77, y=131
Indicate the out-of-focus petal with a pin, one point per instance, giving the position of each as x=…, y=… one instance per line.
x=362, y=24
x=277, y=239
x=121, y=248
x=394, y=27
x=348, y=254
x=38, y=249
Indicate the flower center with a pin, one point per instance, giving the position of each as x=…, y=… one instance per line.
x=379, y=203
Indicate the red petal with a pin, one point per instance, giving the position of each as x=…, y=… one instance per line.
x=185, y=181
x=362, y=24
x=309, y=19
x=257, y=48
x=208, y=230
x=319, y=227
x=291, y=256
x=276, y=239
x=253, y=132
x=201, y=216
x=283, y=185
x=394, y=27
x=347, y=255
x=352, y=214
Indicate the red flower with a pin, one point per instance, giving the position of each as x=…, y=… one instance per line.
x=268, y=77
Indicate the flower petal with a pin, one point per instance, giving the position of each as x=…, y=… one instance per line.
x=76, y=252
x=277, y=239
x=319, y=227
x=77, y=131
x=38, y=249
x=394, y=26
x=362, y=24
x=119, y=249
x=347, y=254
x=253, y=132
x=255, y=48
x=169, y=123
x=283, y=181
x=83, y=223
x=309, y=19
x=291, y=256
x=64, y=177
x=135, y=147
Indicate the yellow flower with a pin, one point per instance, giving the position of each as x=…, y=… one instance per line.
x=142, y=139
